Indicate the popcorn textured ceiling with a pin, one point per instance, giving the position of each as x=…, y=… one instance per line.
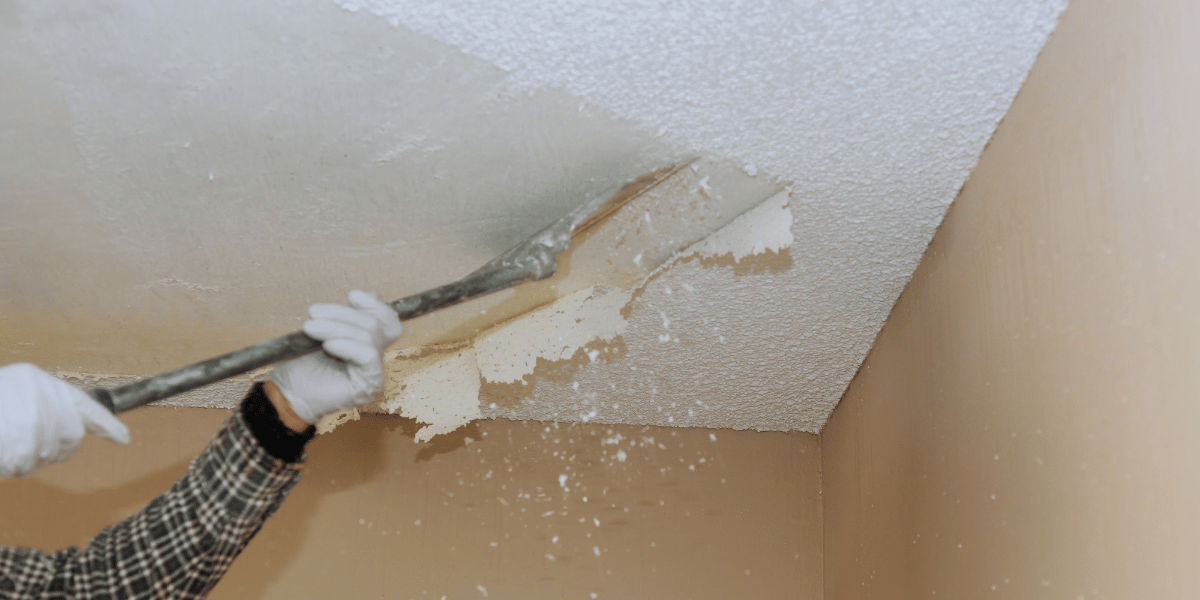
x=186, y=178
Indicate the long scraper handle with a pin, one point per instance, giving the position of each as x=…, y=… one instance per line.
x=482, y=282
x=534, y=258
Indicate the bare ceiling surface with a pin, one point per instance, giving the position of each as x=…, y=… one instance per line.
x=179, y=180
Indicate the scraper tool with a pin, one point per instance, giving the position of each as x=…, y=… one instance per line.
x=532, y=259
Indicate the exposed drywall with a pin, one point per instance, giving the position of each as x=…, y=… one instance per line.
x=1025, y=426
x=183, y=180
x=638, y=511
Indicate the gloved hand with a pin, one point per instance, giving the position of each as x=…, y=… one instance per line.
x=350, y=370
x=43, y=419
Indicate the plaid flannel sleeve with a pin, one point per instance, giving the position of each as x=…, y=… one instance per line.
x=180, y=544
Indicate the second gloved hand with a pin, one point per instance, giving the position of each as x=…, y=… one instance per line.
x=43, y=419
x=350, y=370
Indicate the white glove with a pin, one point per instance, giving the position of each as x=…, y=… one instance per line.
x=43, y=419
x=350, y=370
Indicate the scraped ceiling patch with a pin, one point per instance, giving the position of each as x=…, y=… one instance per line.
x=441, y=387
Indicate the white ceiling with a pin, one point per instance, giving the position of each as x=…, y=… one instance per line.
x=181, y=179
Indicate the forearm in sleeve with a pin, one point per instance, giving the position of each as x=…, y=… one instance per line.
x=180, y=544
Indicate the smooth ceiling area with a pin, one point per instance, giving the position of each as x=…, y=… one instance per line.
x=181, y=179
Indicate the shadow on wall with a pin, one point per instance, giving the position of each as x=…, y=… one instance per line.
x=42, y=515
x=340, y=461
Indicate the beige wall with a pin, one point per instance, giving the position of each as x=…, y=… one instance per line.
x=1027, y=420
x=745, y=523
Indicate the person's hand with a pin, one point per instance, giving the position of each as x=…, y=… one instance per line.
x=350, y=370
x=43, y=419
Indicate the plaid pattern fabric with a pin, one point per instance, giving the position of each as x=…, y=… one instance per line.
x=179, y=545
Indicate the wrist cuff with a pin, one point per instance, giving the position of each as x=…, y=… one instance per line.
x=275, y=437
